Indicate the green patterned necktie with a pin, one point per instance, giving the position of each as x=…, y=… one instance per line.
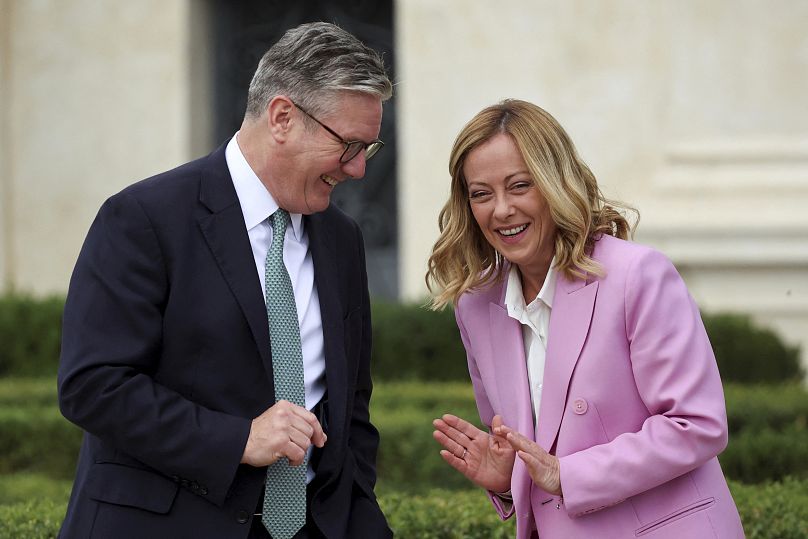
x=284, y=511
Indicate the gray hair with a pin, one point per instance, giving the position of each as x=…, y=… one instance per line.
x=313, y=61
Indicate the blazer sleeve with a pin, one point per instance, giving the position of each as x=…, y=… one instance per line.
x=111, y=352
x=678, y=381
x=504, y=508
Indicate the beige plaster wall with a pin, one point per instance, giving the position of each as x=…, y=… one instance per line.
x=693, y=111
x=95, y=96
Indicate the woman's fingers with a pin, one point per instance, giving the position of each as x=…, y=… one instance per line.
x=544, y=471
x=449, y=444
x=455, y=429
x=520, y=443
x=462, y=426
x=457, y=463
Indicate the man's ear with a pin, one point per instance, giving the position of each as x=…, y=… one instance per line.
x=279, y=117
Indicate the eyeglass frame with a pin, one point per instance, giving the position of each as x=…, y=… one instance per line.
x=371, y=148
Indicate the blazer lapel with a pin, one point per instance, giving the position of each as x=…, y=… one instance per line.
x=321, y=243
x=224, y=231
x=508, y=354
x=570, y=320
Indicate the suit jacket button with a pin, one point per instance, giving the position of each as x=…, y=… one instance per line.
x=579, y=406
x=203, y=491
x=242, y=517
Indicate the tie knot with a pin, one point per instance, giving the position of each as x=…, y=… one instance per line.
x=280, y=220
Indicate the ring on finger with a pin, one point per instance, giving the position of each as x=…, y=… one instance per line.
x=465, y=452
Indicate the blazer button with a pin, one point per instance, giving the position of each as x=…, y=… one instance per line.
x=579, y=406
x=242, y=517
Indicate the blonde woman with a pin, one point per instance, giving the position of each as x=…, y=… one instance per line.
x=589, y=360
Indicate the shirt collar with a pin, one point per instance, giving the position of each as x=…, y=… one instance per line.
x=515, y=299
x=256, y=202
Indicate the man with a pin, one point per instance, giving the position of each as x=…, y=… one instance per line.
x=221, y=374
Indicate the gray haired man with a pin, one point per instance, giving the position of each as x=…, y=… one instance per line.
x=216, y=342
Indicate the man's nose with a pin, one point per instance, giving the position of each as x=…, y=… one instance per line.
x=355, y=168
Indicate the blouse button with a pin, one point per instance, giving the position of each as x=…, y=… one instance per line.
x=579, y=406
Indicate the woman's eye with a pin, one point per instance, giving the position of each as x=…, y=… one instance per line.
x=521, y=186
x=478, y=194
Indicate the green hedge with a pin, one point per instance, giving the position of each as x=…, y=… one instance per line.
x=24, y=487
x=768, y=440
x=38, y=439
x=770, y=511
x=30, y=330
x=747, y=353
x=748, y=406
x=776, y=510
x=36, y=519
x=753, y=456
x=413, y=343
x=26, y=392
x=766, y=407
x=410, y=343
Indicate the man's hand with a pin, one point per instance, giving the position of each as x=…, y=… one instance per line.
x=486, y=459
x=541, y=465
x=283, y=430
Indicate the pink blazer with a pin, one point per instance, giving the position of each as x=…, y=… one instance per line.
x=632, y=403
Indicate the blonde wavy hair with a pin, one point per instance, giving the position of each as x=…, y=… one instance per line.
x=462, y=259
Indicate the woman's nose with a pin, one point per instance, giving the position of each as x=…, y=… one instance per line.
x=503, y=208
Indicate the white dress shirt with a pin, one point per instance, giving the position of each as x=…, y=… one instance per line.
x=257, y=205
x=535, y=320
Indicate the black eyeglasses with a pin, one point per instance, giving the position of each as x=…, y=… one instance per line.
x=352, y=147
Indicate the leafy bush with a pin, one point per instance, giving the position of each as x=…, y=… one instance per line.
x=445, y=514
x=410, y=343
x=773, y=510
x=30, y=330
x=747, y=353
x=768, y=438
x=766, y=407
x=36, y=519
x=26, y=392
x=413, y=343
x=753, y=456
x=38, y=439
x=22, y=487
x=769, y=511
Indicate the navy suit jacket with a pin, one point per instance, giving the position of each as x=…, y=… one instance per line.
x=166, y=359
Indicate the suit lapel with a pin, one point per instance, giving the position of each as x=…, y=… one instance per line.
x=224, y=231
x=570, y=319
x=324, y=257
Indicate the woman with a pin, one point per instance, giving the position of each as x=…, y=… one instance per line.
x=588, y=357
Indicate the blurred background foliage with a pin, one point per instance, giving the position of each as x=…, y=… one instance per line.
x=420, y=373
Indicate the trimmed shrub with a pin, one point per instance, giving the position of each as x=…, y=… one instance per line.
x=22, y=487
x=768, y=511
x=768, y=439
x=766, y=407
x=37, y=519
x=26, y=392
x=38, y=440
x=753, y=456
x=445, y=514
x=747, y=353
x=773, y=510
x=411, y=342
x=30, y=330
x=432, y=399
